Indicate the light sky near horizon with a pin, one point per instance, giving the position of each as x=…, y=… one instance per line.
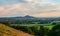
x=38, y=8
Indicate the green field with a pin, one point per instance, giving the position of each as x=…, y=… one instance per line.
x=34, y=25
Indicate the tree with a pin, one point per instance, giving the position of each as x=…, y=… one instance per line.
x=7, y=22
x=55, y=31
x=41, y=33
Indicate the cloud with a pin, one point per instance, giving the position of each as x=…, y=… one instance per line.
x=50, y=14
x=29, y=7
x=12, y=10
x=30, y=0
x=49, y=11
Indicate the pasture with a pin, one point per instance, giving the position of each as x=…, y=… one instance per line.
x=34, y=25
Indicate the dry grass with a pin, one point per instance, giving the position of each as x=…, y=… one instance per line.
x=8, y=31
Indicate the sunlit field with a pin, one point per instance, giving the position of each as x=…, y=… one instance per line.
x=34, y=25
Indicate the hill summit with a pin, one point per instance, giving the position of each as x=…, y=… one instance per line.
x=27, y=16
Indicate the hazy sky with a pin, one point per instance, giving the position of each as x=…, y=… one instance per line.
x=39, y=8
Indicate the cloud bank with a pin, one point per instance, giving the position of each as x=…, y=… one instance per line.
x=38, y=8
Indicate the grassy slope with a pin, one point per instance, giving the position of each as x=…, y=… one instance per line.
x=8, y=31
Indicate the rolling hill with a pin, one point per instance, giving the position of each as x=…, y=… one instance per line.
x=8, y=31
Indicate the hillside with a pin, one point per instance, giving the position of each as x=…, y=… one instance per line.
x=28, y=20
x=8, y=31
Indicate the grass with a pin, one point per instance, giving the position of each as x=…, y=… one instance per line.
x=8, y=31
x=34, y=25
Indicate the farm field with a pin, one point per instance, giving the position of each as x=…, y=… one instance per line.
x=34, y=25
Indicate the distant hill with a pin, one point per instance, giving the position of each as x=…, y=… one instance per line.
x=8, y=31
x=28, y=19
x=17, y=19
x=27, y=16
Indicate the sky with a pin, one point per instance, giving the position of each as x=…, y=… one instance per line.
x=38, y=8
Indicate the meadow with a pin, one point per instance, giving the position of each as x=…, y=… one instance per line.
x=34, y=25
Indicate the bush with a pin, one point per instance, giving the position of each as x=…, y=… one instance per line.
x=55, y=31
